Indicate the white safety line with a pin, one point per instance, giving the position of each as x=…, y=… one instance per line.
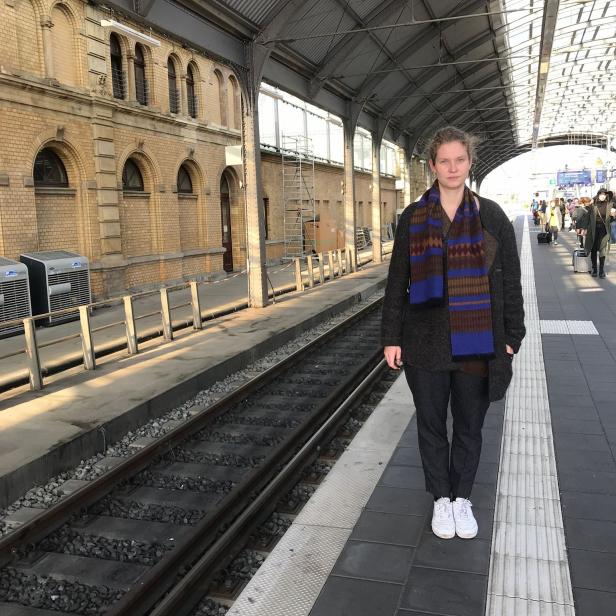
x=529, y=569
x=584, y=328
x=290, y=580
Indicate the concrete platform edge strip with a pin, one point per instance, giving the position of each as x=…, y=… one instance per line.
x=93, y=440
x=290, y=580
x=529, y=569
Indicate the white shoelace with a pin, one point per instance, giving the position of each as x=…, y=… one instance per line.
x=442, y=508
x=463, y=510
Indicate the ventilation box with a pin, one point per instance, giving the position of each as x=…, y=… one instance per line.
x=14, y=295
x=58, y=280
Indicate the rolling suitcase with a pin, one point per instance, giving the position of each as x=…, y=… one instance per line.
x=545, y=237
x=580, y=260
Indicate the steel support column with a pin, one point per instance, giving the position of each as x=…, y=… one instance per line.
x=349, y=124
x=377, y=140
x=253, y=193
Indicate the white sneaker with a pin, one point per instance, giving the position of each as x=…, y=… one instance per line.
x=466, y=525
x=443, y=524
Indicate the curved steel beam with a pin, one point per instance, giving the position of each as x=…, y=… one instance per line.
x=419, y=109
x=427, y=36
x=405, y=121
x=390, y=109
x=343, y=49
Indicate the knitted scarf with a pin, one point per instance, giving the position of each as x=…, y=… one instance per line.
x=458, y=263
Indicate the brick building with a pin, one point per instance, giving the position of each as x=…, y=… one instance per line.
x=115, y=148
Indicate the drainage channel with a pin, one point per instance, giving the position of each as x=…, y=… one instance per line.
x=116, y=544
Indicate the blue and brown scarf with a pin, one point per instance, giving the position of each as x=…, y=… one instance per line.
x=452, y=272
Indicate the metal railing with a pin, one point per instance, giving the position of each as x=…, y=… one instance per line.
x=86, y=331
x=309, y=271
x=324, y=266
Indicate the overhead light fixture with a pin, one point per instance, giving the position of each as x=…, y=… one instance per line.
x=116, y=25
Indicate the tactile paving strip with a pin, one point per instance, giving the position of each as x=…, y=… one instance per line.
x=529, y=569
x=290, y=580
x=569, y=327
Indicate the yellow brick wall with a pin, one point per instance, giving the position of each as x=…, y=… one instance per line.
x=188, y=215
x=329, y=195
x=420, y=177
x=23, y=40
x=94, y=134
x=66, y=62
x=55, y=217
x=136, y=226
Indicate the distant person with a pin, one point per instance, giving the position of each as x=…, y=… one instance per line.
x=581, y=213
x=563, y=211
x=555, y=220
x=612, y=205
x=534, y=210
x=543, y=206
x=597, y=223
x=571, y=207
x=453, y=316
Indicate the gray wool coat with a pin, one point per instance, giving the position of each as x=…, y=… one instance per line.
x=424, y=334
x=589, y=221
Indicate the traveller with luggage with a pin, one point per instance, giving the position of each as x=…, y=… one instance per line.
x=555, y=220
x=580, y=216
x=597, y=223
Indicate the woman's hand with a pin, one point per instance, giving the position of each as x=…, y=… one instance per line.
x=393, y=355
x=509, y=349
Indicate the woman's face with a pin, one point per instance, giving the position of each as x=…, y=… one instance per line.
x=602, y=197
x=452, y=165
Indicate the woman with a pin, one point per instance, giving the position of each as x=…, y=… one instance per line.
x=580, y=215
x=563, y=211
x=555, y=220
x=596, y=223
x=453, y=316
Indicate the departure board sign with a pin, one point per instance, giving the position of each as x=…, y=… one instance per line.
x=571, y=178
x=601, y=176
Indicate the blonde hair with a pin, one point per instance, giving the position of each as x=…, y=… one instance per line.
x=447, y=134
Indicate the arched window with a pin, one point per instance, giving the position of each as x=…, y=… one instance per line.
x=222, y=97
x=184, y=182
x=236, y=112
x=132, y=180
x=174, y=99
x=190, y=92
x=141, y=84
x=49, y=170
x=117, y=74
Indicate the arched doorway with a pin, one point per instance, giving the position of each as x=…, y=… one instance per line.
x=225, y=218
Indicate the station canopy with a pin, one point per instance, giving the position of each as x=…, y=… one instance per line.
x=517, y=74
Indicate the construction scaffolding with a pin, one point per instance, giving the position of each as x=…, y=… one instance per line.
x=298, y=196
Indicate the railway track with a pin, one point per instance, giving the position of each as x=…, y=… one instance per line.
x=150, y=533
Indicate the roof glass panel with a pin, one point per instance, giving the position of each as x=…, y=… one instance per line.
x=580, y=84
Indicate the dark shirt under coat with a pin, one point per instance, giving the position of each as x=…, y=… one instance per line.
x=424, y=334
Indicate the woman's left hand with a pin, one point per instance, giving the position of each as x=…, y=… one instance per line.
x=509, y=349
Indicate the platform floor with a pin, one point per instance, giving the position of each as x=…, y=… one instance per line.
x=75, y=416
x=545, y=495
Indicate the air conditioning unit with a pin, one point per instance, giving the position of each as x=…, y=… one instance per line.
x=14, y=295
x=58, y=280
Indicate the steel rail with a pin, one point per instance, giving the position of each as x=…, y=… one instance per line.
x=140, y=599
x=56, y=515
x=182, y=599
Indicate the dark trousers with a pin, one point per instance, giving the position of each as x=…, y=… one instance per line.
x=449, y=472
x=595, y=249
